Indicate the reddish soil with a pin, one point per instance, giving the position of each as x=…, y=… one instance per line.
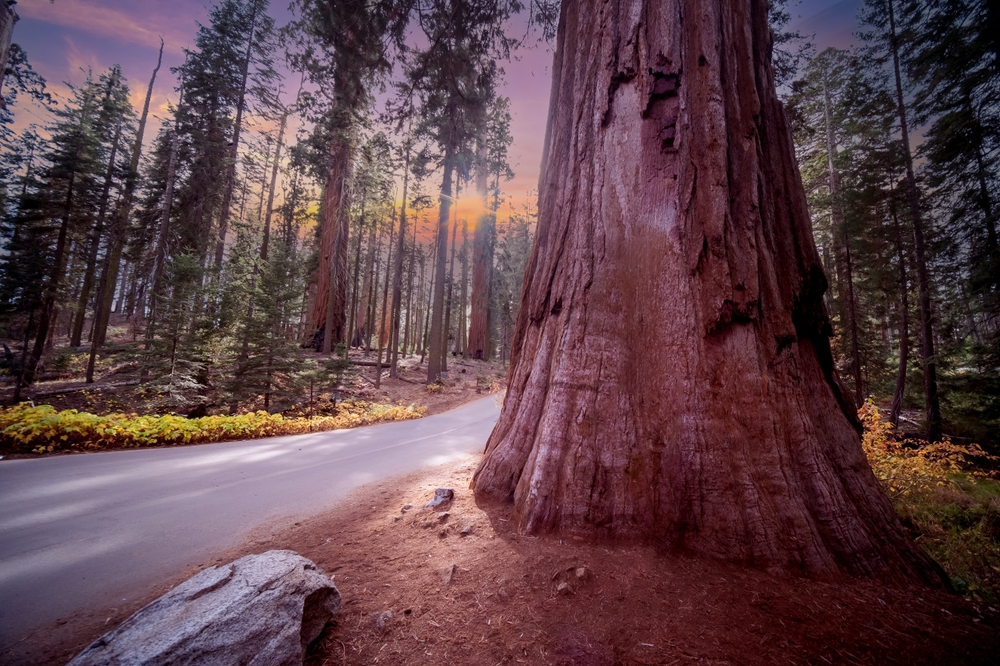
x=514, y=599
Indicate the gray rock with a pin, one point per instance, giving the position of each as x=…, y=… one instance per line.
x=261, y=610
x=441, y=496
x=382, y=619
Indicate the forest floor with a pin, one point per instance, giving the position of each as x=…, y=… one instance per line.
x=454, y=585
x=465, y=588
x=116, y=388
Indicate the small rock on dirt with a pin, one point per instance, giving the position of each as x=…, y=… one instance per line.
x=382, y=619
x=447, y=573
x=406, y=507
x=441, y=496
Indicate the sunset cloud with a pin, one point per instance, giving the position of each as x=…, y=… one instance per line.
x=107, y=21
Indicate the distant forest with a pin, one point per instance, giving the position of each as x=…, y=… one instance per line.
x=229, y=252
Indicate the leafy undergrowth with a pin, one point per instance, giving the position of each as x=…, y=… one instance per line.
x=945, y=494
x=42, y=429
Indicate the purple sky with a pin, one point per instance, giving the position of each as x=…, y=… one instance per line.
x=65, y=37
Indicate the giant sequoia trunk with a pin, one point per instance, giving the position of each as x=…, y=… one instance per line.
x=671, y=375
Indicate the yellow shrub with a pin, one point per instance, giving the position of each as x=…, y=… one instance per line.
x=42, y=429
x=905, y=467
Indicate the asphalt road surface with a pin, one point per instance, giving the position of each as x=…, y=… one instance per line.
x=95, y=530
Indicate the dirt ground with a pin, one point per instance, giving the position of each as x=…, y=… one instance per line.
x=467, y=380
x=455, y=586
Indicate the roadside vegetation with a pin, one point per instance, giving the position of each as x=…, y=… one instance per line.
x=28, y=429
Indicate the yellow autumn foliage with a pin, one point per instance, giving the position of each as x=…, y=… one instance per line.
x=904, y=467
x=947, y=498
x=42, y=429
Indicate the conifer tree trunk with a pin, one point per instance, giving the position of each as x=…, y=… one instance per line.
x=359, y=319
x=372, y=294
x=904, y=324
x=397, y=279
x=330, y=303
x=408, y=334
x=419, y=327
x=234, y=148
x=671, y=376
x=846, y=282
x=274, y=181
x=410, y=318
x=384, y=318
x=451, y=292
x=932, y=406
x=425, y=334
x=438, y=334
x=162, y=234
x=95, y=242
x=461, y=346
x=116, y=237
x=482, y=276
x=49, y=314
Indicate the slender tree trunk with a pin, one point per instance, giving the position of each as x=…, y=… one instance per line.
x=904, y=323
x=162, y=235
x=49, y=311
x=852, y=308
x=451, y=290
x=397, y=279
x=843, y=250
x=671, y=376
x=28, y=329
x=274, y=181
x=438, y=333
x=384, y=319
x=372, y=315
x=234, y=149
x=357, y=321
x=479, y=345
x=116, y=239
x=408, y=335
x=932, y=406
x=95, y=242
x=985, y=200
x=460, y=346
x=482, y=275
x=425, y=335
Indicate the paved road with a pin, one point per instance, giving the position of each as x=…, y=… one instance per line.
x=89, y=530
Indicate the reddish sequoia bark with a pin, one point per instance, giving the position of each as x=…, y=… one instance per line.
x=671, y=374
x=334, y=218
